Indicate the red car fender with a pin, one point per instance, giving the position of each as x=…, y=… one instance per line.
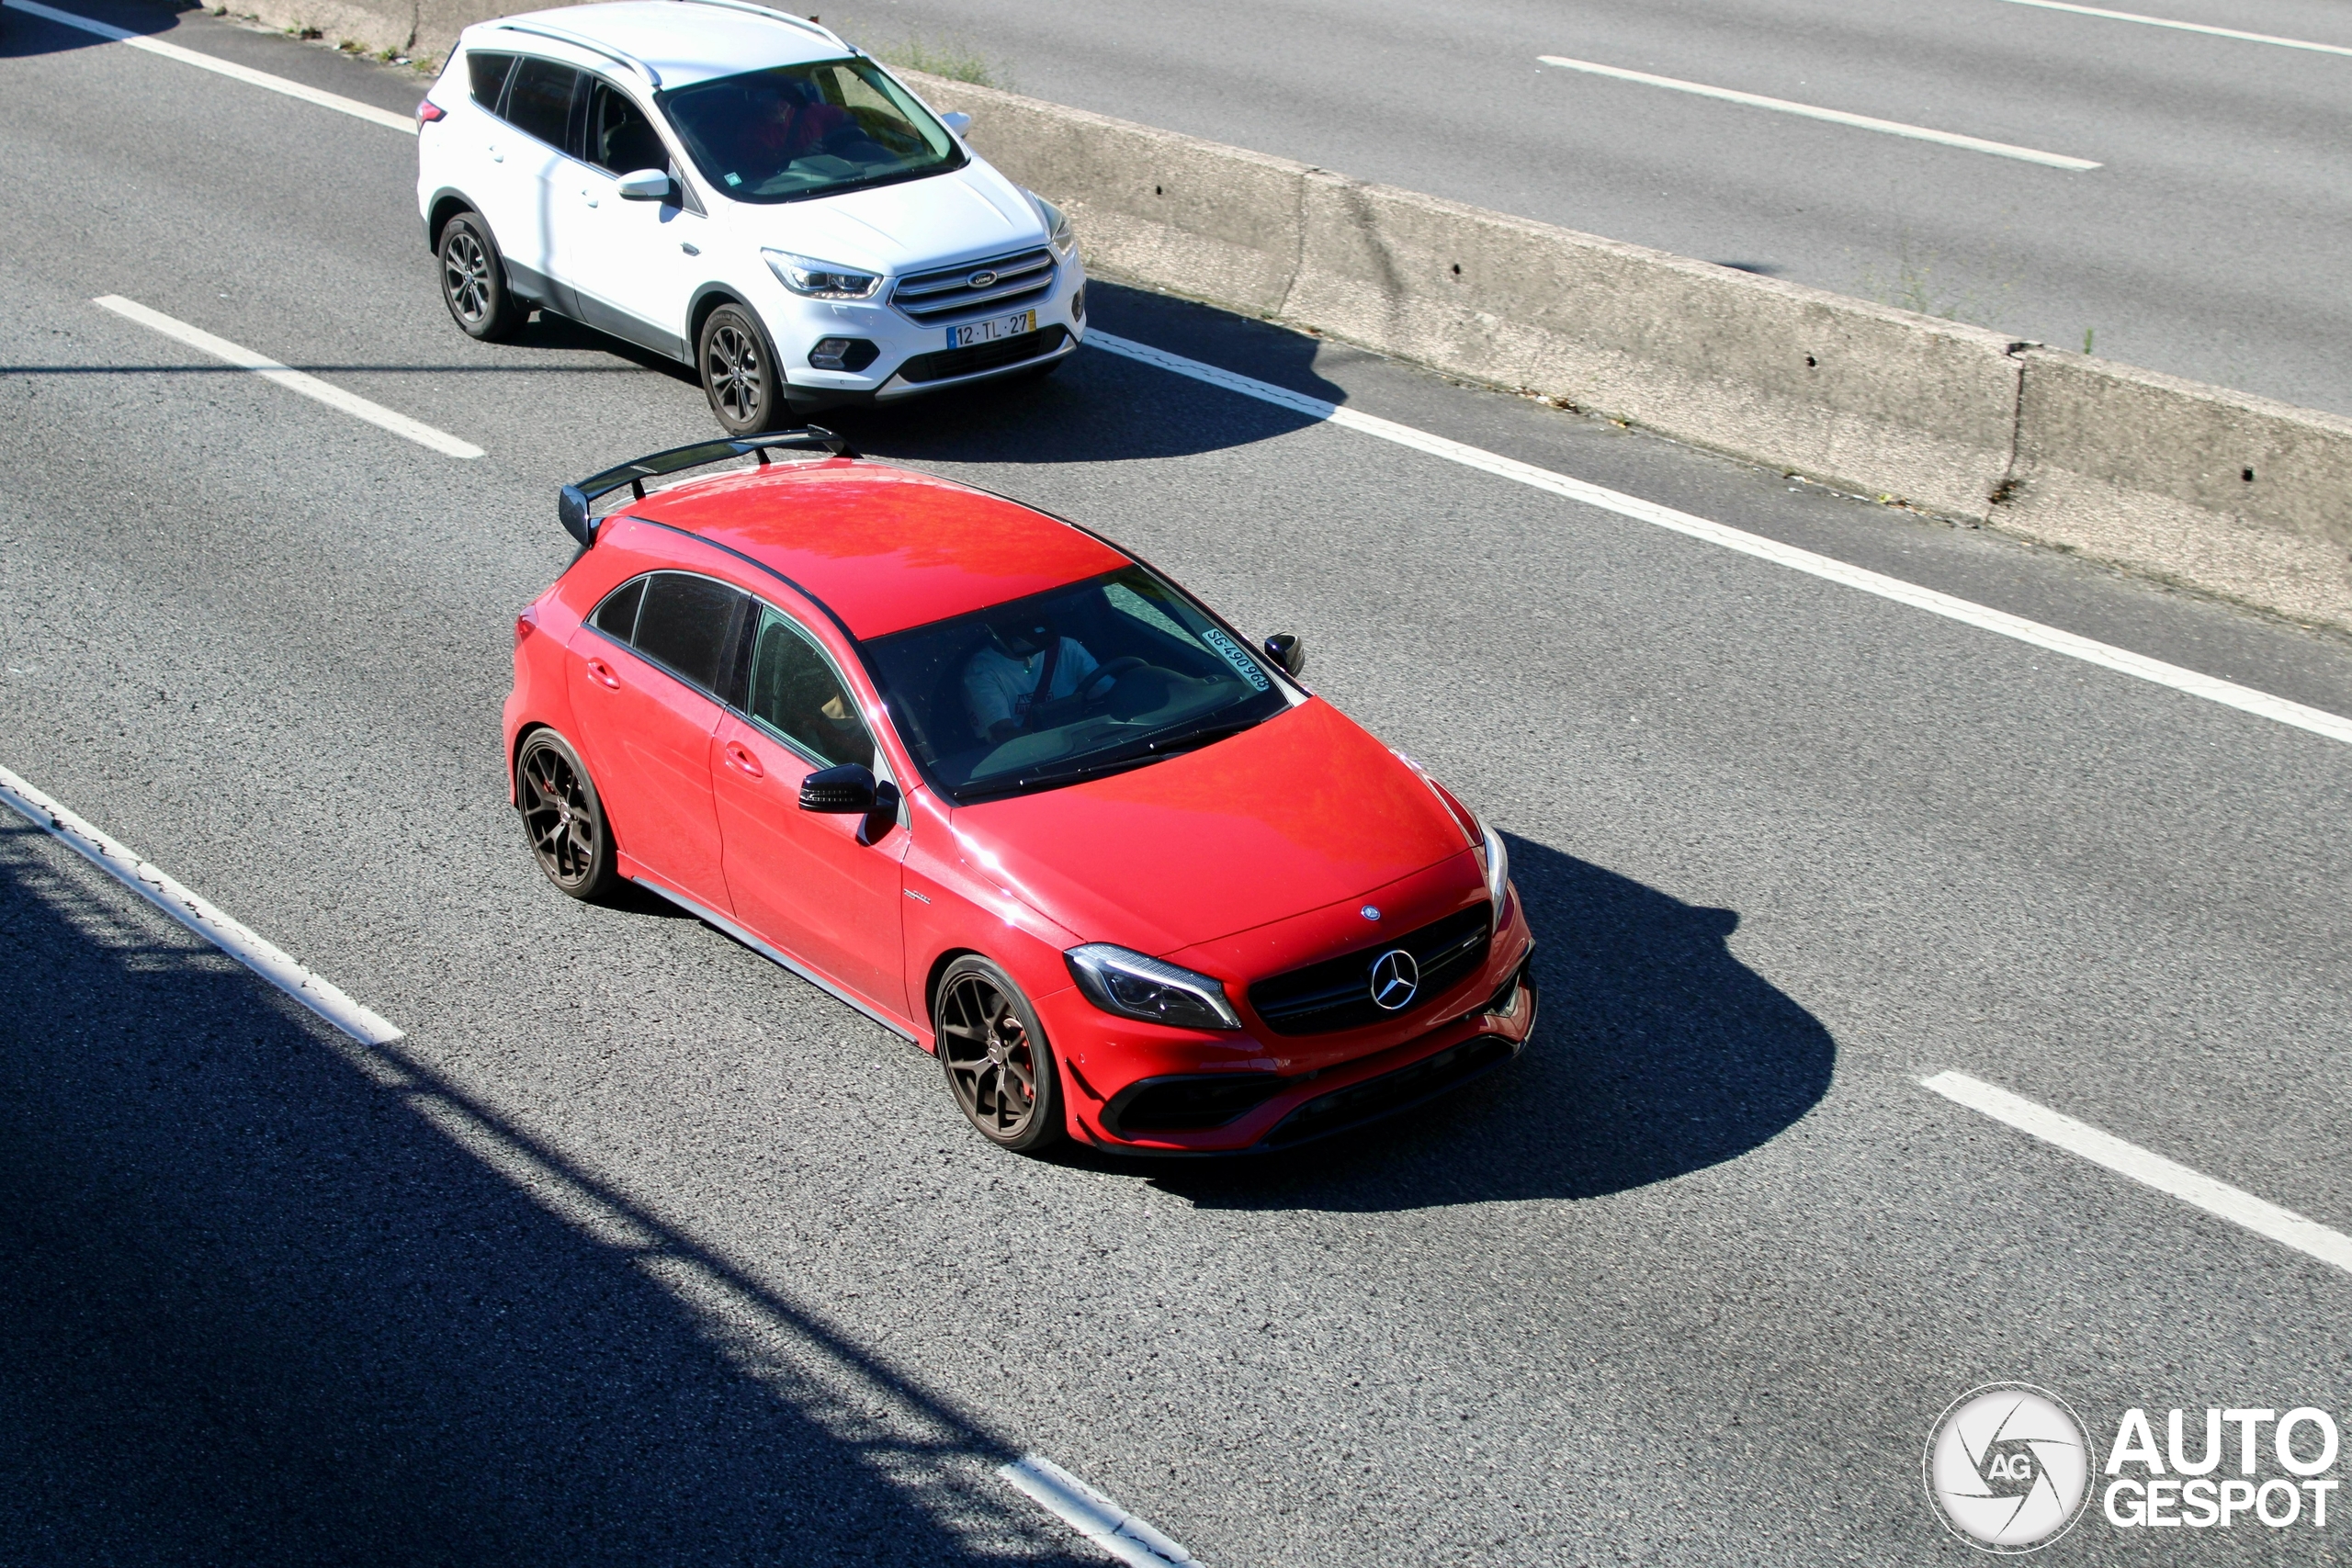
x=954, y=906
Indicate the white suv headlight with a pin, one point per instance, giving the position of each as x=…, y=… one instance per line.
x=821, y=280
x=1057, y=229
x=1134, y=985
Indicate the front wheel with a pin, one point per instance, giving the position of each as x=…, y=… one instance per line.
x=999, y=1067
x=740, y=374
x=473, y=281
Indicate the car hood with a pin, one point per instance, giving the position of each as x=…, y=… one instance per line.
x=938, y=220
x=1298, y=813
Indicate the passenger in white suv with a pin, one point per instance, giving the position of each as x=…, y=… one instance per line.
x=738, y=189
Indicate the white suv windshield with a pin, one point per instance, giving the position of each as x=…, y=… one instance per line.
x=801, y=130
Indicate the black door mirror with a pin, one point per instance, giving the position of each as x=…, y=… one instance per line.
x=845, y=791
x=1286, y=650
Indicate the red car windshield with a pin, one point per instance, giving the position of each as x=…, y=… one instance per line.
x=1100, y=676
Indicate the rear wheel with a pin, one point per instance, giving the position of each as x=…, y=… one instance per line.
x=563, y=817
x=999, y=1067
x=740, y=374
x=473, y=280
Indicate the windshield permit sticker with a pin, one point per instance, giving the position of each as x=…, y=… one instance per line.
x=1243, y=665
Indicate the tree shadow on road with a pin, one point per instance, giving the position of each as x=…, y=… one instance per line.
x=265, y=1300
x=1657, y=1053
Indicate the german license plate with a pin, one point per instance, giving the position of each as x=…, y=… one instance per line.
x=993, y=330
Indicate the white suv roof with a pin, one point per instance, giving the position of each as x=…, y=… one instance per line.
x=684, y=42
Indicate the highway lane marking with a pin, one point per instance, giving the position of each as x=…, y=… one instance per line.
x=197, y=913
x=214, y=64
x=2193, y=1188
x=1812, y=111
x=2246, y=699
x=1128, y=1538
x=2185, y=26
x=295, y=380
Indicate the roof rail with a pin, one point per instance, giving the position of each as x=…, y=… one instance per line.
x=572, y=501
x=806, y=24
x=565, y=35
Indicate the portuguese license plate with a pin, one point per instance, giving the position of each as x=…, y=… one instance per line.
x=993, y=330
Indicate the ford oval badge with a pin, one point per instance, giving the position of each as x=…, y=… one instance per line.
x=1370, y=911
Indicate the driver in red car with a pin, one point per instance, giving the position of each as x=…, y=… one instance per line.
x=1021, y=658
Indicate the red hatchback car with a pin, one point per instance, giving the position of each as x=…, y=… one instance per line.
x=1006, y=790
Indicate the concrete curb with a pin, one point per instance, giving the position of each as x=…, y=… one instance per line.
x=2129, y=467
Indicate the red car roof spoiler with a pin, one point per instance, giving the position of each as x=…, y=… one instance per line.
x=572, y=501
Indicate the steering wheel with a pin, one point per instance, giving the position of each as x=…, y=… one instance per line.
x=1096, y=689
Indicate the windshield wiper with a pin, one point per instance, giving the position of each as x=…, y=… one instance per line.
x=1161, y=745
x=1149, y=750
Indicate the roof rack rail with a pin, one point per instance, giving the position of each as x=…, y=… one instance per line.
x=565, y=35
x=806, y=24
x=572, y=501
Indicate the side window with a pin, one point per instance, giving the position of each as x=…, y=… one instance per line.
x=685, y=623
x=616, y=616
x=620, y=138
x=794, y=693
x=540, y=103
x=487, y=73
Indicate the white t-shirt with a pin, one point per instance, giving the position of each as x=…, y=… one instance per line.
x=997, y=688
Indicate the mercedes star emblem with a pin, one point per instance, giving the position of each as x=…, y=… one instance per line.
x=1394, y=978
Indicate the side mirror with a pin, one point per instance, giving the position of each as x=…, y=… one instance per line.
x=1286, y=650
x=957, y=121
x=845, y=791
x=648, y=184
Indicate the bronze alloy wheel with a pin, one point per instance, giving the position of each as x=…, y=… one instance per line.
x=561, y=815
x=997, y=1063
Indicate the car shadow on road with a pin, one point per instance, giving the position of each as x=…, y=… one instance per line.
x=265, y=1301
x=1099, y=407
x=1657, y=1053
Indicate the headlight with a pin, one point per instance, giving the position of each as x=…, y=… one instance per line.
x=820, y=280
x=1057, y=229
x=1498, y=864
x=1134, y=986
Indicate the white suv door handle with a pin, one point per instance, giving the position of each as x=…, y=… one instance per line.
x=584, y=195
x=497, y=156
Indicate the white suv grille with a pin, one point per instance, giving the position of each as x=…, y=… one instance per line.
x=999, y=283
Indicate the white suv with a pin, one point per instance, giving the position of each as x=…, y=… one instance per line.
x=738, y=189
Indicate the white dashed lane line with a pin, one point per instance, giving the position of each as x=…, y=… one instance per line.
x=229, y=68
x=1835, y=117
x=2122, y=661
x=2185, y=26
x=291, y=380
x=198, y=914
x=2169, y=1176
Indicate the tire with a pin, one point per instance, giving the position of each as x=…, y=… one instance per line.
x=998, y=1066
x=563, y=818
x=739, y=373
x=473, y=281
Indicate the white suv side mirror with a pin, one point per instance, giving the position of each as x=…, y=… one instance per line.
x=646, y=185
x=957, y=121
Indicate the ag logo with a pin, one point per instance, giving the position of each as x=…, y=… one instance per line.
x=2008, y=1467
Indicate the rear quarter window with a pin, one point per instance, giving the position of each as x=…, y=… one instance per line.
x=486, y=77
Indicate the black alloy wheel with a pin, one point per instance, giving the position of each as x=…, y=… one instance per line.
x=739, y=373
x=563, y=818
x=473, y=281
x=997, y=1063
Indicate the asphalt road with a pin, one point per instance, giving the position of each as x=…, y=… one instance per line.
x=637, y=1249
x=2210, y=244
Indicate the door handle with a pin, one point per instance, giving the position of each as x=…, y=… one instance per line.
x=601, y=673
x=586, y=198
x=497, y=154
x=740, y=758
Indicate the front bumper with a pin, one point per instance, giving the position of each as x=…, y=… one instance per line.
x=912, y=360
x=1127, y=1093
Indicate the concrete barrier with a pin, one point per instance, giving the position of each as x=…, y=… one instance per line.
x=2131, y=468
